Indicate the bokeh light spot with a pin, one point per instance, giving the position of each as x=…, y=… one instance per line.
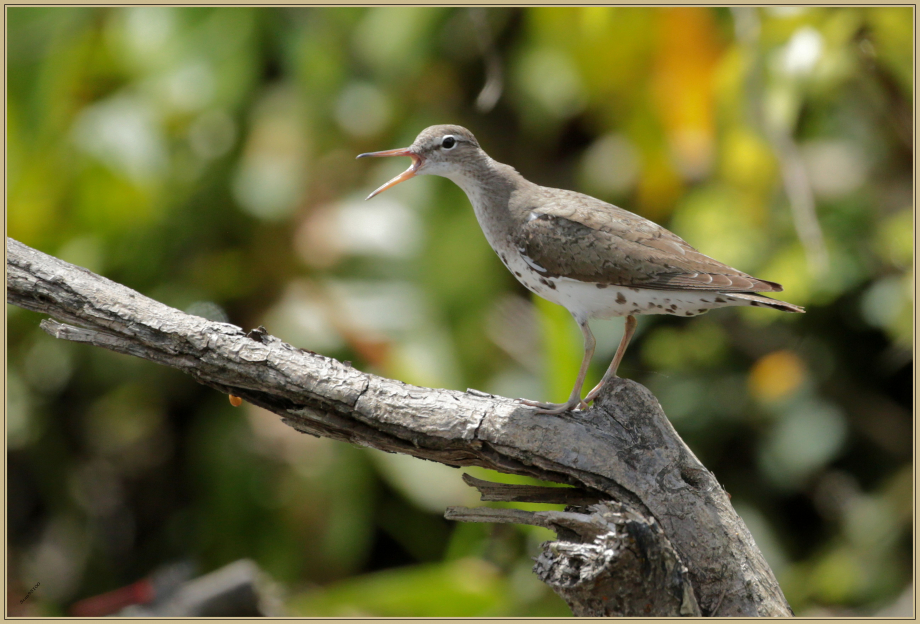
x=776, y=375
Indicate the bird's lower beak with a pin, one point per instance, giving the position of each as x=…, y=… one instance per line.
x=405, y=175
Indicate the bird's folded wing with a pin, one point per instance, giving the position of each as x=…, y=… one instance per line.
x=613, y=246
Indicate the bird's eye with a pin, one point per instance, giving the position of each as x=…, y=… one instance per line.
x=448, y=142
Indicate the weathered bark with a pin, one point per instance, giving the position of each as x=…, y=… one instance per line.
x=609, y=561
x=623, y=449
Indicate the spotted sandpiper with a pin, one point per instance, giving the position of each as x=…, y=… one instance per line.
x=593, y=258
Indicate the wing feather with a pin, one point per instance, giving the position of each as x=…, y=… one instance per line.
x=592, y=241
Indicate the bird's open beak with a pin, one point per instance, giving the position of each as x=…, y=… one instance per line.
x=405, y=175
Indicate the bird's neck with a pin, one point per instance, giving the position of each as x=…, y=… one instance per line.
x=491, y=187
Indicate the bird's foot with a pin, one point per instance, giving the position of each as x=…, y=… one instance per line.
x=550, y=408
x=596, y=390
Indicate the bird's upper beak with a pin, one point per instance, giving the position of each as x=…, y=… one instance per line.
x=405, y=175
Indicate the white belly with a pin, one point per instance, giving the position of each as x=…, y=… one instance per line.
x=587, y=300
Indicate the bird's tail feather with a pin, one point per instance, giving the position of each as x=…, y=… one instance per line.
x=761, y=300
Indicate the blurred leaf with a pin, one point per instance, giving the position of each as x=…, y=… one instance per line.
x=429, y=485
x=697, y=344
x=837, y=576
x=808, y=435
x=682, y=85
x=563, y=350
x=747, y=161
x=894, y=241
x=392, y=41
x=723, y=223
x=894, y=28
x=461, y=588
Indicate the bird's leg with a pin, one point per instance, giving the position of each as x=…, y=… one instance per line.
x=628, y=331
x=575, y=398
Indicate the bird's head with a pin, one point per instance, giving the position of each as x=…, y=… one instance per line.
x=437, y=150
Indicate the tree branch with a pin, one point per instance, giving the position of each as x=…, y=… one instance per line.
x=610, y=561
x=624, y=448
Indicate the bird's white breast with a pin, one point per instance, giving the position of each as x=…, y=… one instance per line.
x=587, y=300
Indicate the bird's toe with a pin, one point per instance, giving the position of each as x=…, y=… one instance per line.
x=549, y=408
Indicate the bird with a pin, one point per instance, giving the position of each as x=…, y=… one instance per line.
x=594, y=259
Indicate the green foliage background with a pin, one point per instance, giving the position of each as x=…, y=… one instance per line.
x=205, y=157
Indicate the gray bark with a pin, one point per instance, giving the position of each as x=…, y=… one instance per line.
x=609, y=559
x=623, y=452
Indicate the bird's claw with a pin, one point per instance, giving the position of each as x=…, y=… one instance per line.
x=550, y=408
x=538, y=404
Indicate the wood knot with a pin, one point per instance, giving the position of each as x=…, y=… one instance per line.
x=259, y=334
